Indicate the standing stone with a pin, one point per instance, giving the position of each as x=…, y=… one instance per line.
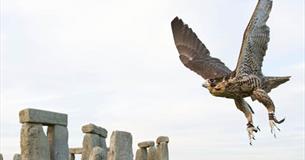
x=71, y=156
x=34, y=142
x=141, y=154
x=103, y=142
x=120, y=146
x=94, y=136
x=152, y=153
x=90, y=141
x=58, y=141
x=98, y=153
x=17, y=157
x=162, y=151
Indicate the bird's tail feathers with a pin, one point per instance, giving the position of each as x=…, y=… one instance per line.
x=273, y=82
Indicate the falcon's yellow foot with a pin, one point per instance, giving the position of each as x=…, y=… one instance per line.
x=272, y=122
x=251, y=130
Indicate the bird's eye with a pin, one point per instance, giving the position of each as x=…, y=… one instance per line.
x=211, y=80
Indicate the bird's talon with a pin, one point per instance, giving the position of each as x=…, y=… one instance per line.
x=251, y=130
x=277, y=128
x=273, y=126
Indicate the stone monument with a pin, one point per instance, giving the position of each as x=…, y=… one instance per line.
x=94, y=136
x=120, y=146
x=35, y=144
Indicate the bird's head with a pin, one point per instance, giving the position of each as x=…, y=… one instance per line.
x=215, y=86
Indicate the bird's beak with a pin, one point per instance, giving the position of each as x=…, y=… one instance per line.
x=205, y=84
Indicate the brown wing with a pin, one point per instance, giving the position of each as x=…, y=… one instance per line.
x=194, y=54
x=255, y=41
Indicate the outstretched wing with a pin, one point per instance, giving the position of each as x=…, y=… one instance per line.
x=194, y=54
x=255, y=41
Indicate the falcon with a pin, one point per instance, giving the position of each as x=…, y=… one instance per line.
x=247, y=80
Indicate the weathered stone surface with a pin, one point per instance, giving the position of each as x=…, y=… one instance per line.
x=34, y=143
x=141, y=154
x=91, y=128
x=120, y=146
x=98, y=153
x=17, y=157
x=1, y=157
x=76, y=150
x=146, y=144
x=90, y=141
x=152, y=153
x=58, y=141
x=103, y=143
x=162, y=151
x=71, y=156
x=162, y=139
x=42, y=117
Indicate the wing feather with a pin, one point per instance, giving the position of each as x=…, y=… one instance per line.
x=255, y=41
x=194, y=54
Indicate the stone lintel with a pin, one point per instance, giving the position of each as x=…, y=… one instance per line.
x=31, y=115
x=76, y=150
x=146, y=144
x=162, y=139
x=91, y=128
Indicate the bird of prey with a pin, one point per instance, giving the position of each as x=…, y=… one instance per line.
x=247, y=80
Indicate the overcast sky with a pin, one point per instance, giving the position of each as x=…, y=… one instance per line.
x=114, y=64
